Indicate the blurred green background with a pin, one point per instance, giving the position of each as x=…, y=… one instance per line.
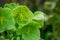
x=51, y=29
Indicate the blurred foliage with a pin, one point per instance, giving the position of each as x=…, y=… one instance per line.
x=20, y=23
x=51, y=29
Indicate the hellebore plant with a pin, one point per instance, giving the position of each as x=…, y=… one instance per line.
x=17, y=22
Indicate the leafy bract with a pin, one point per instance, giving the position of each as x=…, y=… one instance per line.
x=22, y=15
x=6, y=19
x=40, y=23
x=32, y=24
x=11, y=5
x=35, y=35
x=39, y=18
x=30, y=32
x=39, y=15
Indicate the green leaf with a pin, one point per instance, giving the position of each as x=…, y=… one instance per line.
x=17, y=38
x=39, y=18
x=30, y=32
x=39, y=15
x=11, y=5
x=6, y=19
x=40, y=23
x=32, y=24
x=3, y=38
x=34, y=35
x=22, y=15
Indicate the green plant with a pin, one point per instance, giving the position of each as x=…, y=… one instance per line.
x=20, y=23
